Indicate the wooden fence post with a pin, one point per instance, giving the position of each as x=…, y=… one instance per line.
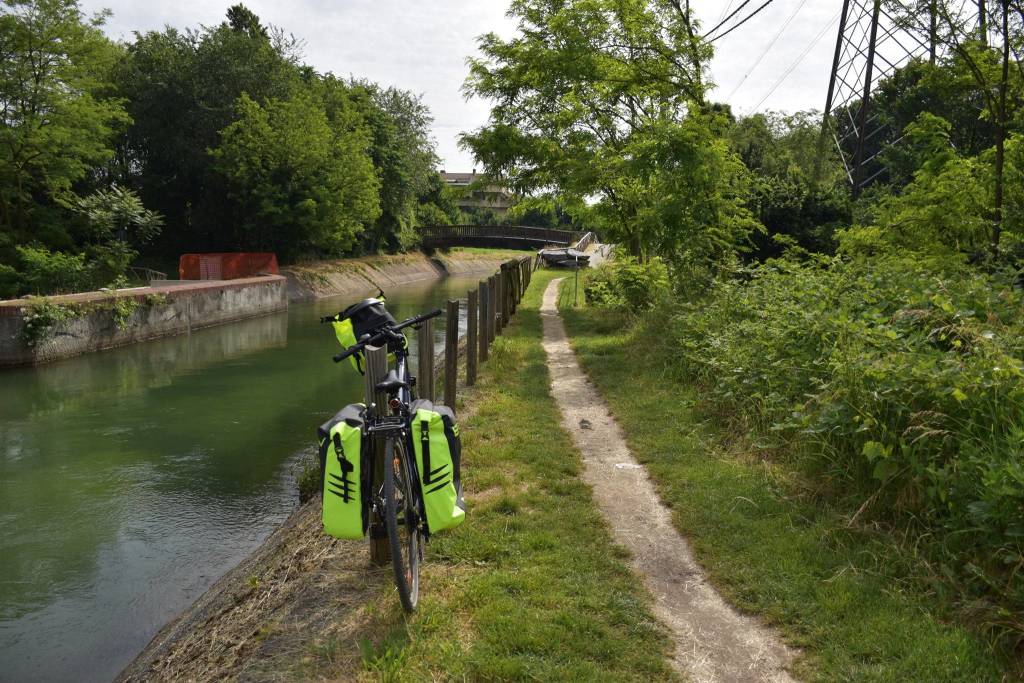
x=376, y=368
x=485, y=296
x=451, y=353
x=496, y=311
x=471, y=307
x=425, y=381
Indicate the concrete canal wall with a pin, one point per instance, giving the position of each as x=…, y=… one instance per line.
x=67, y=326
x=361, y=276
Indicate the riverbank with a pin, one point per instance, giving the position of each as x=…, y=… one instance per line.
x=40, y=330
x=362, y=276
x=530, y=587
x=44, y=329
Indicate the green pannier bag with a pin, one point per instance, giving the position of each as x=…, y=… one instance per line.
x=366, y=317
x=438, y=449
x=345, y=479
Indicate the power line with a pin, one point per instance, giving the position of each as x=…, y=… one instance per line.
x=725, y=10
x=774, y=40
x=723, y=21
x=749, y=17
x=803, y=55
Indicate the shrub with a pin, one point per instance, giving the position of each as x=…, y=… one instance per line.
x=49, y=272
x=625, y=282
x=902, y=377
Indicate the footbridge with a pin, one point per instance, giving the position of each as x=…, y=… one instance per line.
x=499, y=237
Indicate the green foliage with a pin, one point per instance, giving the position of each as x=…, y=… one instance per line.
x=118, y=213
x=626, y=283
x=299, y=184
x=798, y=186
x=902, y=376
x=48, y=272
x=309, y=478
x=605, y=100
x=59, y=116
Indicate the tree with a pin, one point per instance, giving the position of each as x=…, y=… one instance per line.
x=403, y=153
x=998, y=88
x=605, y=99
x=57, y=112
x=794, y=193
x=297, y=185
x=182, y=90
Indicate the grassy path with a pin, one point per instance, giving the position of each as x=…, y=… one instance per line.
x=531, y=587
x=713, y=642
x=767, y=545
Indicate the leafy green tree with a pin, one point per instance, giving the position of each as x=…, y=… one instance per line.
x=182, y=90
x=438, y=204
x=58, y=112
x=403, y=153
x=297, y=185
x=604, y=100
x=795, y=192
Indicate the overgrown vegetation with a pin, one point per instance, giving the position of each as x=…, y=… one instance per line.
x=870, y=344
x=211, y=139
x=777, y=537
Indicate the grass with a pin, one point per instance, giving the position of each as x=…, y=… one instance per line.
x=769, y=544
x=530, y=587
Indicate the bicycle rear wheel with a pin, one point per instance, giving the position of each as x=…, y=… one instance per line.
x=402, y=521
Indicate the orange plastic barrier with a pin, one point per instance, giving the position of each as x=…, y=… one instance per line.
x=226, y=266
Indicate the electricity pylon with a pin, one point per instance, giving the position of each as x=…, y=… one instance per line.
x=871, y=46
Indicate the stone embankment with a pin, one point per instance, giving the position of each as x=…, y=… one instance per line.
x=364, y=275
x=44, y=329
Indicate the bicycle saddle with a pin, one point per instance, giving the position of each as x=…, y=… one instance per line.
x=390, y=384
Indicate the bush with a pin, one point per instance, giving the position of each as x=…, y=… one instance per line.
x=903, y=378
x=50, y=272
x=626, y=283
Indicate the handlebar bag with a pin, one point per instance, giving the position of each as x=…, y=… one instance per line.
x=366, y=317
x=438, y=450
x=345, y=481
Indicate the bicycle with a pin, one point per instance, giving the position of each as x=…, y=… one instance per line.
x=397, y=500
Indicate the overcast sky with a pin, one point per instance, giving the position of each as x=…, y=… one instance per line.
x=422, y=46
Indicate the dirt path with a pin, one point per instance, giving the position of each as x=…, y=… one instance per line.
x=713, y=641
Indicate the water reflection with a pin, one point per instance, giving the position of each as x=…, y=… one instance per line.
x=131, y=479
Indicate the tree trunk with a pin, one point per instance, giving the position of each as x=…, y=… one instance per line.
x=997, y=228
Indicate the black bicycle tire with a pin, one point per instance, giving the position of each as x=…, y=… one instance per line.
x=409, y=595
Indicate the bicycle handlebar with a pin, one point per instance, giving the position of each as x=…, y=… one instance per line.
x=389, y=332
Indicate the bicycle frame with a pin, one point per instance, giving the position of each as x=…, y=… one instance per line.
x=382, y=425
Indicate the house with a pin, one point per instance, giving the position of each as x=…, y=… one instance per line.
x=478, y=193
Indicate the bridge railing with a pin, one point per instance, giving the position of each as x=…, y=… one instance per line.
x=486, y=235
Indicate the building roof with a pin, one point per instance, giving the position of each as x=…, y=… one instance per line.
x=459, y=178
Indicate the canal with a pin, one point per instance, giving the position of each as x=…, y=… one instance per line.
x=132, y=479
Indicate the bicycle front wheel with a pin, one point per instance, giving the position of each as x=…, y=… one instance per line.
x=402, y=522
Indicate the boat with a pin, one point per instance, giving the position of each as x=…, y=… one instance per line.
x=568, y=257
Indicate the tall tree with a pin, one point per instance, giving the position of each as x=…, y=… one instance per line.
x=605, y=99
x=297, y=185
x=57, y=112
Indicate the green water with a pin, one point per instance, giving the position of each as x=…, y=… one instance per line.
x=130, y=480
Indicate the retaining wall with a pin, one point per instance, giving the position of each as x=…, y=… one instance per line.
x=359, y=276
x=155, y=312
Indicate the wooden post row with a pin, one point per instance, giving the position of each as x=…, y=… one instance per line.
x=376, y=369
x=425, y=381
x=485, y=296
x=451, y=353
x=471, y=309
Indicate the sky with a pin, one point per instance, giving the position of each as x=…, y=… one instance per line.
x=422, y=47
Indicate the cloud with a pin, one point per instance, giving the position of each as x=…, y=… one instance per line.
x=423, y=46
